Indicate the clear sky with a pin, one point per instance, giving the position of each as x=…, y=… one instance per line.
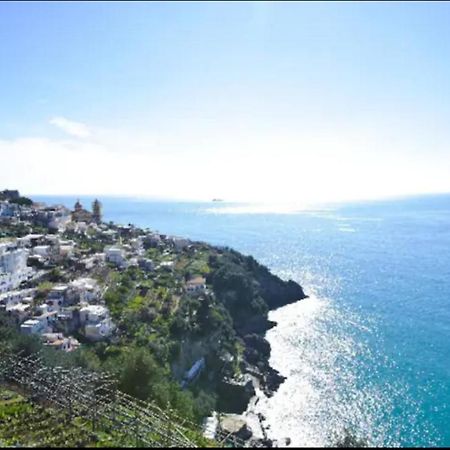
x=248, y=101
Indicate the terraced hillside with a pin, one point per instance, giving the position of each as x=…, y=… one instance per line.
x=24, y=424
x=48, y=406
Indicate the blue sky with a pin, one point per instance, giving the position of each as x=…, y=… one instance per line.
x=246, y=101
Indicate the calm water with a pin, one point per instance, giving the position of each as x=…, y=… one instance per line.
x=369, y=351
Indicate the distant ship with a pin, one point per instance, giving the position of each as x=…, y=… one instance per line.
x=217, y=200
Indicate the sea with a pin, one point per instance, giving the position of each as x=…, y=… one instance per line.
x=368, y=352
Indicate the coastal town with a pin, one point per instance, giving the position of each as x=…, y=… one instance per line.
x=52, y=284
x=133, y=300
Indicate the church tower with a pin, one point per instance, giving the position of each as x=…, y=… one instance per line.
x=97, y=211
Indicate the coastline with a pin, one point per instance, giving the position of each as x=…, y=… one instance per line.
x=240, y=290
x=250, y=425
x=287, y=264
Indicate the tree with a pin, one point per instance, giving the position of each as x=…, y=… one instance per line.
x=22, y=201
x=139, y=374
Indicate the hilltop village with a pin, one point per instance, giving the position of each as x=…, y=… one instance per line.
x=56, y=265
x=107, y=293
x=50, y=277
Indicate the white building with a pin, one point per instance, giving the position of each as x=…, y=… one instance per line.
x=152, y=240
x=33, y=326
x=93, y=313
x=180, y=243
x=167, y=265
x=66, y=248
x=137, y=246
x=81, y=227
x=29, y=240
x=133, y=262
x=13, y=266
x=116, y=255
x=97, y=322
x=39, y=324
x=59, y=342
x=44, y=308
x=60, y=218
x=12, y=259
x=15, y=297
x=196, y=285
x=19, y=312
x=85, y=290
x=100, y=330
x=57, y=295
x=8, y=209
x=111, y=235
x=42, y=250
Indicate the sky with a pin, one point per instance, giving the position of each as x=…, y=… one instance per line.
x=245, y=101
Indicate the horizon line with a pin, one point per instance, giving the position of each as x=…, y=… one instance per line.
x=257, y=202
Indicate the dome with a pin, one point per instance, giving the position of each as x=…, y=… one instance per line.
x=78, y=205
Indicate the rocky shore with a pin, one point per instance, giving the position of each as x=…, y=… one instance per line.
x=259, y=380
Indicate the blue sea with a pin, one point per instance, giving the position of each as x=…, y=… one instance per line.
x=369, y=350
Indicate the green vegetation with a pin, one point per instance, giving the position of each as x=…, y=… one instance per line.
x=15, y=230
x=235, y=287
x=27, y=424
x=22, y=201
x=12, y=341
x=154, y=317
x=23, y=424
x=88, y=243
x=162, y=329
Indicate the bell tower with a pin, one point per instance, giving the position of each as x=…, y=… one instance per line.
x=97, y=211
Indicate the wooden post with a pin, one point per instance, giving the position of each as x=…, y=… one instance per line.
x=169, y=428
x=94, y=409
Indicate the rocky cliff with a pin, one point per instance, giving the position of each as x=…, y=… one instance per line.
x=248, y=290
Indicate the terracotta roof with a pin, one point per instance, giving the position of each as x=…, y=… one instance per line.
x=196, y=280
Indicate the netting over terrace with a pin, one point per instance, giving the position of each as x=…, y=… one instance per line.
x=94, y=398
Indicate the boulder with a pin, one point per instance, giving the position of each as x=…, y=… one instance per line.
x=273, y=381
x=237, y=426
x=258, y=343
x=234, y=395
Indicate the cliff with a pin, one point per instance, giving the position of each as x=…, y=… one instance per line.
x=247, y=288
x=165, y=326
x=249, y=291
